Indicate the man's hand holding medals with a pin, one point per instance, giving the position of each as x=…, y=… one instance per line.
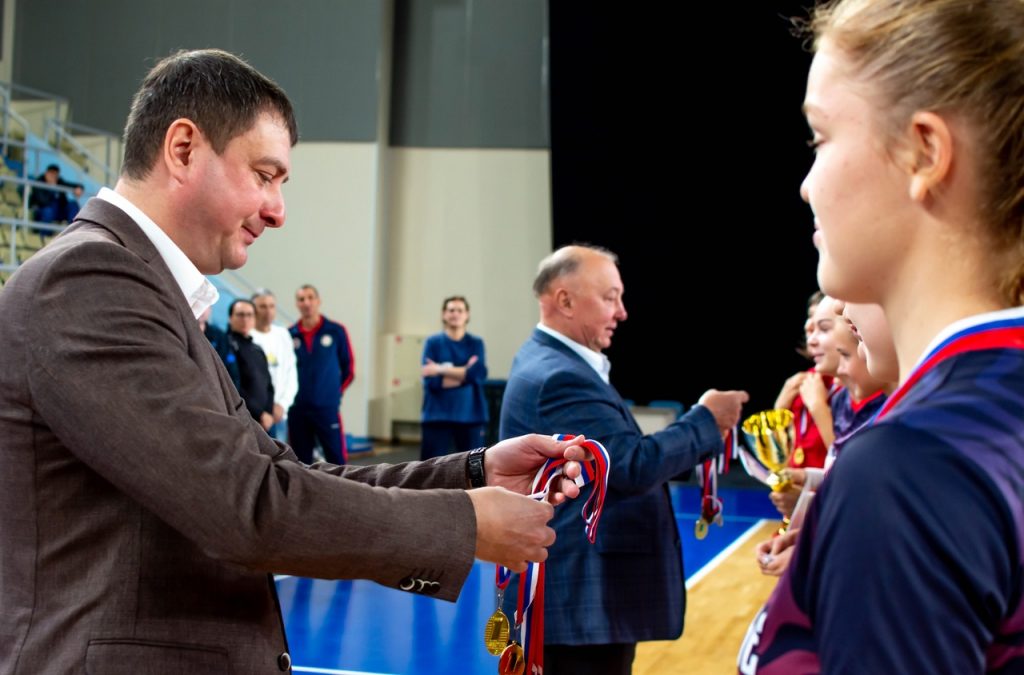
x=513, y=463
x=558, y=478
x=511, y=527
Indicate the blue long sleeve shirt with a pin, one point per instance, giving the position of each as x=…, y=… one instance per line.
x=466, y=403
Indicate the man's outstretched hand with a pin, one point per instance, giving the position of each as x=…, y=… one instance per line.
x=513, y=463
x=511, y=528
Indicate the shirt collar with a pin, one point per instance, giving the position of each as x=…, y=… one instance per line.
x=965, y=323
x=596, y=360
x=198, y=291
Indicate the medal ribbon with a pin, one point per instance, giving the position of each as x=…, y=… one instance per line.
x=995, y=335
x=529, y=617
x=707, y=476
x=805, y=415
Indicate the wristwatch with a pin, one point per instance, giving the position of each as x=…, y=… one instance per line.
x=475, y=468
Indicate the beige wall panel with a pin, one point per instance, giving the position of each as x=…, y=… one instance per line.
x=468, y=222
x=328, y=241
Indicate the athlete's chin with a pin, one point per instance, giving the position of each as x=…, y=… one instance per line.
x=827, y=277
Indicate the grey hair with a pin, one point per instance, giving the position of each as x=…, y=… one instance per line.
x=563, y=262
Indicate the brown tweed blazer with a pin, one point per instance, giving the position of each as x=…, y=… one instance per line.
x=141, y=508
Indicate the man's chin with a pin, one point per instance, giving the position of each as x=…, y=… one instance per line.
x=235, y=262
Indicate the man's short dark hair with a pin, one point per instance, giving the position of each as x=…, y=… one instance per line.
x=231, y=307
x=563, y=262
x=455, y=298
x=222, y=94
x=308, y=287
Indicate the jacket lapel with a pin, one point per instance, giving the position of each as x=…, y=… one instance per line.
x=103, y=214
x=545, y=340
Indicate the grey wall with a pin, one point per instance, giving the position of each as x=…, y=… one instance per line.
x=467, y=73
x=323, y=52
x=470, y=73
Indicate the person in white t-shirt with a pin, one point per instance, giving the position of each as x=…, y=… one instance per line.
x=276, y=343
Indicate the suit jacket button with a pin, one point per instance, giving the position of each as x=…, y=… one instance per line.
x=284, y=662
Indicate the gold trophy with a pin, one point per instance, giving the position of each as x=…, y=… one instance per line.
x=770, y=435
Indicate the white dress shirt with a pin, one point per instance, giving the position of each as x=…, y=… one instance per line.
x=198, y=291
x=596, y=360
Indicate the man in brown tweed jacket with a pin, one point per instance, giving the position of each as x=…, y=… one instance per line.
x=141, y=507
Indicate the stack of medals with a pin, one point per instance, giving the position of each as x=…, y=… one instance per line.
x=707, y=476
x=528, y=650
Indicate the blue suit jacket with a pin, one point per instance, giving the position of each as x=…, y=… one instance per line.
x=629, y=585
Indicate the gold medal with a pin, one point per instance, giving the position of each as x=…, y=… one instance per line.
x=512, y=661
x=798, y=456
x=496, y=633
x=700, y=530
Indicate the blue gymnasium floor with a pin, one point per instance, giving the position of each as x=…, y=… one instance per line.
x=350, y=627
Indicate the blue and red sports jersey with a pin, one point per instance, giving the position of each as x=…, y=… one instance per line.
x=910, y=559
x=849, y=416
x=325, y=363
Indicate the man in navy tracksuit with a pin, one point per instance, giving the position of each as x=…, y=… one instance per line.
x=326, y=368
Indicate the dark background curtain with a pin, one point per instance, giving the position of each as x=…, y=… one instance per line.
x=678, y=142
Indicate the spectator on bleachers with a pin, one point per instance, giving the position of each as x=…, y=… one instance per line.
x=54, y=206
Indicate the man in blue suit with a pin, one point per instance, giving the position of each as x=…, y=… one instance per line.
x=601, y=599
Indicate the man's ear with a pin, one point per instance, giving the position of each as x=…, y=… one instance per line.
x=930, y=153
x=181, y=142
x=563, y=301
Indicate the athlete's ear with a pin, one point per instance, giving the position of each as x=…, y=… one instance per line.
x=930, y=153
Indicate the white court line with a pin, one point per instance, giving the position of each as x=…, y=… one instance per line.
x=725, y=553
x=329, y=671
x=281, y=577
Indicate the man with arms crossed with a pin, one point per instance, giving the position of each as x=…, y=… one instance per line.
x=141, y=507
x=601, y=599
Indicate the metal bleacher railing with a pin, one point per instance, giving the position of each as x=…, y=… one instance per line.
x=24, y=153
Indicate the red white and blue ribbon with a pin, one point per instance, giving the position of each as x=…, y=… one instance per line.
x=805, y=414
x=1002, y=333
x=707, y=477
x=529, y=616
